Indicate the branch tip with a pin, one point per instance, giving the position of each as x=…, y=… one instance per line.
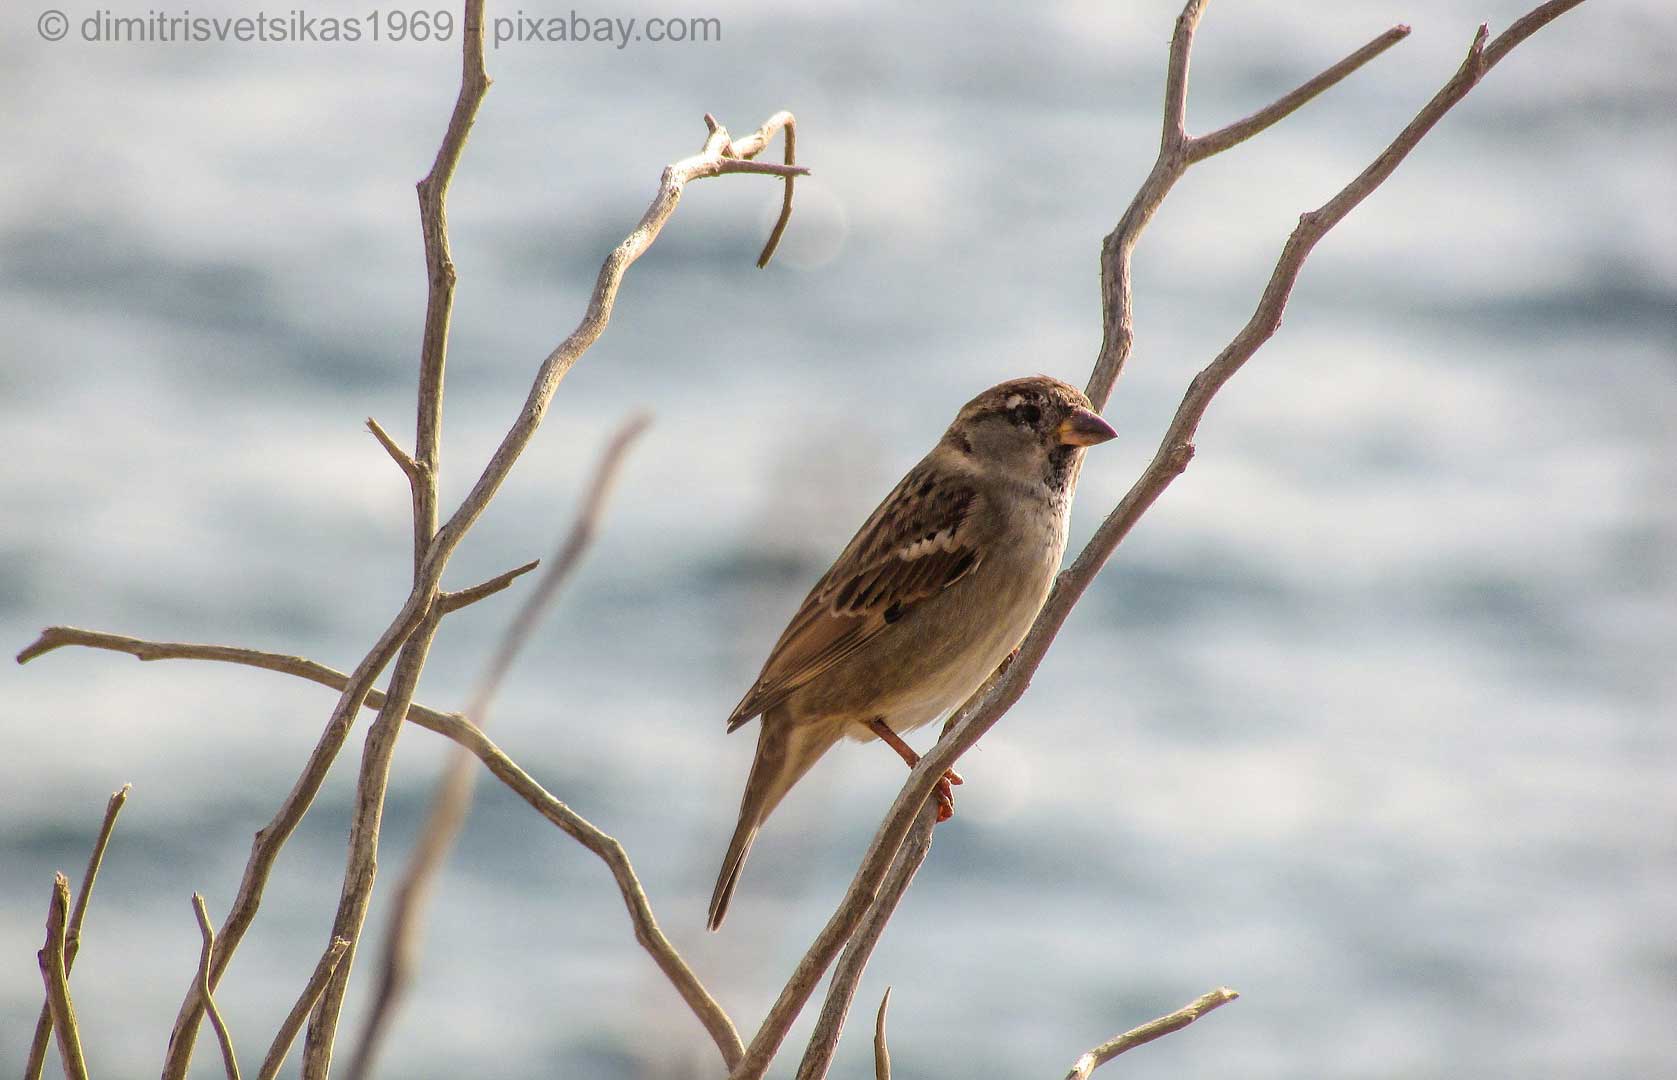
x=881, y=1052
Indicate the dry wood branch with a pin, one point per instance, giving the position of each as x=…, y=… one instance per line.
x=58, y=637
x=73, y=933
x=228, y=1058
x=709, y=162
x=1149, y=1031
x=299, y=1014
x=1199, y=147
x=647, y=932
x=1177, y=151
x=453, y=794
x=459, y=598
x=380, y=748
x=786, y=197
x=881, y=1052
x=459, y=729
x=823, y=1041
x=271, y=838
x=1172, y=457
x=356, y=690
x=410, y=468
x=56, y=977
x=719, y=155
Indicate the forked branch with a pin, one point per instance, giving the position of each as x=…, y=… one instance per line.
x=73, y=933
x=1174, y=452
x=55, y=976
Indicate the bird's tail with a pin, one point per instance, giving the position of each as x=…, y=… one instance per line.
x=785, y=751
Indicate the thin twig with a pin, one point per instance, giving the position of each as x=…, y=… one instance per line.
x=647, y=932
x=459, y=598
x=228, y=1058
x=791, y=131
x=1149, y=1031
x=299, y=1014
x=73, y=934
x=1174, y=452
x=1177, y=151
x=58, y=637
x=56, y=977
x=453, y=794
x=881, y=1052
x=379, y=750
x=1199, y=147
x=410, y=468
x=847, y=973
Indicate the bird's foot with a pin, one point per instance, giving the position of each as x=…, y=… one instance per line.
x=946, y=794
x=946, y=783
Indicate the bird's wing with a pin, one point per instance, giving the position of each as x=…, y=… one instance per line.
x=917, y=543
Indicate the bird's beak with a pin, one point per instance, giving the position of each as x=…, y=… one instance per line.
x=1083, y=428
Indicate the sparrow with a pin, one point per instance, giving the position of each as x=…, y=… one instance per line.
x=936, y=589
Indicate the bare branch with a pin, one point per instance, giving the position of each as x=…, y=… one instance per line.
x=228, y=1058
x=299, y=1014
x=454, y=790
x=58, y=637
x=791, y=129
x=56, y=977
x=823, y=1041
x=1200, y=147
x=730, y=165
x=410, y=631
x=1175, y=451
x=455, y=727
x=459, y=598
x=428, y=558
x=647, y=932
x=271, y=838
x=73, y=934
x=881, y=1052
x=1174, y=130
x=1149, y=1031
x=1177, y=151
x=719, y=155
x=410, y=468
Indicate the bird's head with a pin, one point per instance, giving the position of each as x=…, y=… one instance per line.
x=1029, y=428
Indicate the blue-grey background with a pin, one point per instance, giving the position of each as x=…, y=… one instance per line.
x=1371, y=718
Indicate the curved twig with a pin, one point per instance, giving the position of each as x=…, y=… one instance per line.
x=1146, y=1033
x=791, y=130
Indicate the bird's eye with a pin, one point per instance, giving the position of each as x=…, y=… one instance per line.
x=1027, y=415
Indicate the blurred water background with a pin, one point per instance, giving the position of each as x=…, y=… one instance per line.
x=1371, y=718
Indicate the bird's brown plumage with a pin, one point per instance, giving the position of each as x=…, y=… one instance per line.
x=937, y=586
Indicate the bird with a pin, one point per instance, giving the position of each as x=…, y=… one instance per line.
x=936, y=589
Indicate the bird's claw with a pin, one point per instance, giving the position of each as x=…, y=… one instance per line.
x=946, y=794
